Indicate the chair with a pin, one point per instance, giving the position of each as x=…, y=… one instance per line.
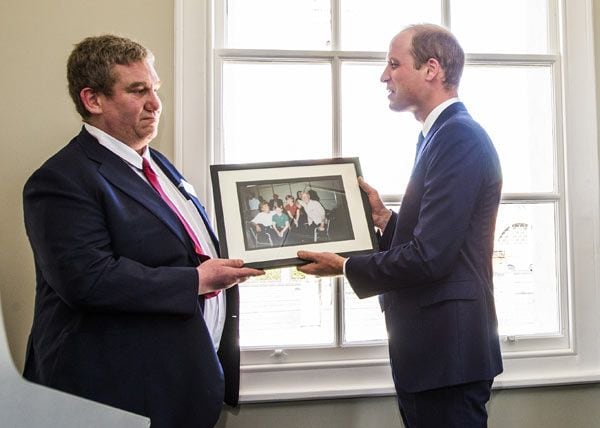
x=322, y=232
x=261, y=239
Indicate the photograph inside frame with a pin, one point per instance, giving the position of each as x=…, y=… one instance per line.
x=281, y=213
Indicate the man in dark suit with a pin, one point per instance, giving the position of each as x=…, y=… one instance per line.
x=434, y=270
x=128, y=308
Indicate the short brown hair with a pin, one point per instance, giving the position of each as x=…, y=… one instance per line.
x=91, y=62
x=433, y=41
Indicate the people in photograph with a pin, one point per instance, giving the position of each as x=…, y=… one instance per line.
x=315, y=213
x=253, y=205
x=301, y=214
x=299, y=232
x=433, y=270
x=281, y=223
x=263, y=222
x=274, y=200
x=134, y=308
x=313, y=194
x=291, y=209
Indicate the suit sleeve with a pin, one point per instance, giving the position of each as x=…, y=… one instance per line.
x=454, y=172
x=69, y=233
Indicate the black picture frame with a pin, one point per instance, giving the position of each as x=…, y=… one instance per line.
x=344, y=224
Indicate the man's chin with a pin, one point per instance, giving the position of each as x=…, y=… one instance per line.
x=148, y=134
x=399, y=106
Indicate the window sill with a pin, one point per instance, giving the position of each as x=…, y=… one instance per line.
x=371, y=378
x=306, y=381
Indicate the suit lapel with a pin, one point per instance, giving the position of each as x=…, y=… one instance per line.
x=177, y=179
x=120, y=175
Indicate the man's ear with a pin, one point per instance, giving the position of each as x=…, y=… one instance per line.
x=90, y=100
x=434, y=69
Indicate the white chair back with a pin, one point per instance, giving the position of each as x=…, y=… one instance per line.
x=26, y=405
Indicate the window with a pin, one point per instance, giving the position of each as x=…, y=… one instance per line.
x=272, y=80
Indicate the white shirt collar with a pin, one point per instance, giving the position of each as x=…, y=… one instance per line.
x=435, y=113
x=117, y=147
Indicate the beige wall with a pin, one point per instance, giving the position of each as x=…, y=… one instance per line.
x=37, y=118
x=570, y=406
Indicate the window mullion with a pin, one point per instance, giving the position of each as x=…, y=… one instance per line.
x=338, y=307
x=217, y=114
x=446, y=15
x=336, y=116
x=335, y=25
x=555, y=25
x=511, y=59
x=219, y=24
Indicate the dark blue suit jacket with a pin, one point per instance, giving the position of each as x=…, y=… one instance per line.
x=117, y=314
x=435, y=267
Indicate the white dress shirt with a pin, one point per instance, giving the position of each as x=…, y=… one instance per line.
x=435, y=113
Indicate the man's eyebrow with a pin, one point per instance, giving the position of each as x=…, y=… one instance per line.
x=137, y=84
x=141, y=84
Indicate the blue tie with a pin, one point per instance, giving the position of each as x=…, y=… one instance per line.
x=419, y=146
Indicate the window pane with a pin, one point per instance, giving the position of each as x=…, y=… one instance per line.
x=385, y=141
x=525, y=278
x=286, y=308
x=515, y=105
x=276, y=111
x=277, y=24
x=363, y=319
x=370, y=25
x=508, y=26
x=525, y=270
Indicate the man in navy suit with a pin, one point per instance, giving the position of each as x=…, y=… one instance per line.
x=434, y=268
x=133, y=307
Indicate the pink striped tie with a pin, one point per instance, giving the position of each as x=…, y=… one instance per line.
x=153, y=179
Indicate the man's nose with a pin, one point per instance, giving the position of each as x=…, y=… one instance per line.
x=153, y=103
x=384, y=76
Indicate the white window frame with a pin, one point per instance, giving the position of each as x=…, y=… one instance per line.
x=364, y=371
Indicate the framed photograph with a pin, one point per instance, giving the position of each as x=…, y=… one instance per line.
x=266, y=212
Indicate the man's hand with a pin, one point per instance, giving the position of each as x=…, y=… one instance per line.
x=220, y=274
x=381, y=215
x=322, y=264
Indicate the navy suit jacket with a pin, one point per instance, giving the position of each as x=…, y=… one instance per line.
x=117, y=314
x=434, y=269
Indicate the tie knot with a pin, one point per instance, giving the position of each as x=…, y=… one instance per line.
x=147, y=170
